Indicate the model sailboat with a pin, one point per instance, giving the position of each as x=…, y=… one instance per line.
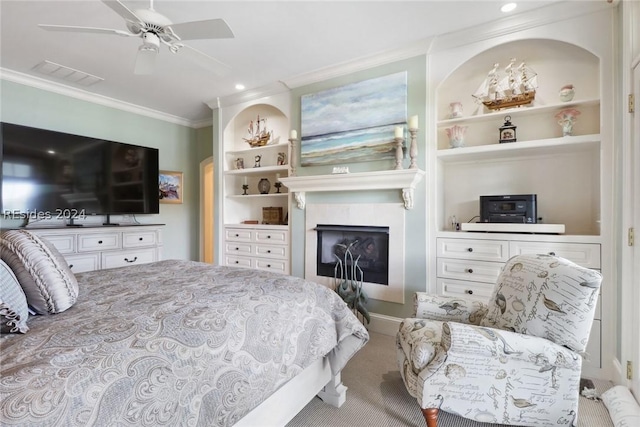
x=517, y=87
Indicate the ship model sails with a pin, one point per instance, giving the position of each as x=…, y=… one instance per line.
x=517, y=87
x=258, y=134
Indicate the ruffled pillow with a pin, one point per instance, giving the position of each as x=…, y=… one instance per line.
x=13, y=303
x=42, y=272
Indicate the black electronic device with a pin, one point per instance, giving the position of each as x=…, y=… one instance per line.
x=517, y=208
x=48, y=173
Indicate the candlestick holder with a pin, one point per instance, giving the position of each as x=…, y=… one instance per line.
x=277, y=184
x=399, y=153
x=245, y=187
x=413, y=148
x=293, y=160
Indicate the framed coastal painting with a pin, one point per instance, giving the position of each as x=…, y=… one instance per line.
x=170, y=187
x=353, y=123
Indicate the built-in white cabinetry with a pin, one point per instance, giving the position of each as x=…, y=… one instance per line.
x=97, y=248
x=252, y=237
x=570, y=174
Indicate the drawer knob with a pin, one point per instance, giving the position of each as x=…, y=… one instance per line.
x=269, y=265
x=99, y=242
x=237, y=249
x=469, y=291
x=470, y=249
x=237, y=262
x=237, y=235
x=268, y=236
x=552, y=253
x=70, y=265
x=269, y=251
x=140, y=239
x=131, y=260
x=469, y=270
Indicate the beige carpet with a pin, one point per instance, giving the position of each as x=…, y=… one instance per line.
x=377, y=397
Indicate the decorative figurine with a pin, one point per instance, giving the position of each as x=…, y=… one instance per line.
x=239, y=163
x=566, y=93
x=282, y=159
x=566, y=119
x=263, y=186
x=257, y=161
x=456, y=136
x=507, y=131
x=456, y=110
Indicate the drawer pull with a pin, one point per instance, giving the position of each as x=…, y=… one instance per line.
x=470, y=249
x=469, y=291
x=269, y=251
x=140, y=239
x=237, y=235
x=269, y=265
x=237, y=262
x=237, y=249
x=469, y=270
x=70, y=265
x=552, y=253
x=99, y=242
x=269, y=236
x=132, y=260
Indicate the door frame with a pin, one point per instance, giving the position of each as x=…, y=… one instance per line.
x=203, y=200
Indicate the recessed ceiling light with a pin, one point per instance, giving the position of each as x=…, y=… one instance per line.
x=508, y=7
x=51, y=152
x=240, y=86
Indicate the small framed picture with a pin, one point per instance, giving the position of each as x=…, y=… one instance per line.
x=170, y=187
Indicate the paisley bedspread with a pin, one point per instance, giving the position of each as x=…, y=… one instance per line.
x=176, y=343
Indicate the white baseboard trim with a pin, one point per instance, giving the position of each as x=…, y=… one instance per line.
x=383, y=324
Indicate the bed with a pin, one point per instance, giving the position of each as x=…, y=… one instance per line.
x=179, y=343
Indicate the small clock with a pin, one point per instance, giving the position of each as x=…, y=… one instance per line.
x=507, y=131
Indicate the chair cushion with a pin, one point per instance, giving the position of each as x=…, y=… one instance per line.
x=419, y=340
x=545, y=296
x=13, y=302
x=43, y=273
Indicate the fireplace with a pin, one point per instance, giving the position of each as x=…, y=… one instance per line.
x=381, y=225
x=368, y=245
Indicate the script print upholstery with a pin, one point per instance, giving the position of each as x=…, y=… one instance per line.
x=497, y=375
x=174, y=343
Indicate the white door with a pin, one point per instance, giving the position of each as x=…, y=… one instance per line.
x=206, y=210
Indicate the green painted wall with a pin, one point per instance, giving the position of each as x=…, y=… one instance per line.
x=415, y=226
x=181, y=149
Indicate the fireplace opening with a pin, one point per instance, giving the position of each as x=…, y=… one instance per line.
x=369, y=245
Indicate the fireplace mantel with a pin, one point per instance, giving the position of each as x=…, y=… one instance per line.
x=403, y=179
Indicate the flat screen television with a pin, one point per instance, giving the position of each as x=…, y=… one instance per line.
x=63, y=175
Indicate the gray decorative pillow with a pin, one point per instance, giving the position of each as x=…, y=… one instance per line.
x=13, y=303
x=42, y=272
x=545, y=296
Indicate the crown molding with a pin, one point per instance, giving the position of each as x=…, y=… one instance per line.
x=275, y=88
x=83, y=95
x=418, y=48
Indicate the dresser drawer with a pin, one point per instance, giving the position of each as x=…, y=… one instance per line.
x=238, y=235
x=272, y=265
x=238, y=248
x=272, y=236
x=463, y=288
x=124, y=258
x=64, y=243
x=82, y=263
x=138, y=239
x=482, y=250
x=477, y=271
x=584, y=254
x=272, y=251
x=238, y=261
x=98, y=242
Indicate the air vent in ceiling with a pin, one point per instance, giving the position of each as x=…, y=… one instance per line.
x=66, y=73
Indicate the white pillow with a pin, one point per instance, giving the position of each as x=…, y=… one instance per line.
x=13, y=302
x=43, y=273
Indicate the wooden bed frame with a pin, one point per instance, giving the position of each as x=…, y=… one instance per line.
x=286, y=402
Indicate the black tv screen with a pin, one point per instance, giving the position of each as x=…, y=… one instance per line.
x=48, y=172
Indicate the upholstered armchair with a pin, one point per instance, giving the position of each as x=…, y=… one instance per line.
x=514, y=359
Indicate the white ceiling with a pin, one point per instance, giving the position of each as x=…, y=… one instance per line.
x=274, y=41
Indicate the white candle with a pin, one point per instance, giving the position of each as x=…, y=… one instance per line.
x=413, y=122
x=277, y=177
x=245, y=180
x=293, y=134
x=399, y=131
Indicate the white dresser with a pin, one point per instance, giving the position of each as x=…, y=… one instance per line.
x=97, y=248
x=257, y=246
x=468, y=264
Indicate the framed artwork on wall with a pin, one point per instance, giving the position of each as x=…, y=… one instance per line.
x=170, y=187
x=353, y=123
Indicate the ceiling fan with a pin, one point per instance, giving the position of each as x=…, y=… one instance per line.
x=154, y=29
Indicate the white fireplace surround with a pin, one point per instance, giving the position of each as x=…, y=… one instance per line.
x=390, y=215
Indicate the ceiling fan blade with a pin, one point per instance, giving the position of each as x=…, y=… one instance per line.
x=68, y=28
x=208, y=29
x=122, y=10
x=145, y=61
x=204, y=60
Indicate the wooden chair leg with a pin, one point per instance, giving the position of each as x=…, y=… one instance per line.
x=431, y=416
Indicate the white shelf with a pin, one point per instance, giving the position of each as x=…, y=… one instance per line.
x=518, y=111
x=258, y=171
x=525, y=148
x=281, y=145
x=250, y=196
